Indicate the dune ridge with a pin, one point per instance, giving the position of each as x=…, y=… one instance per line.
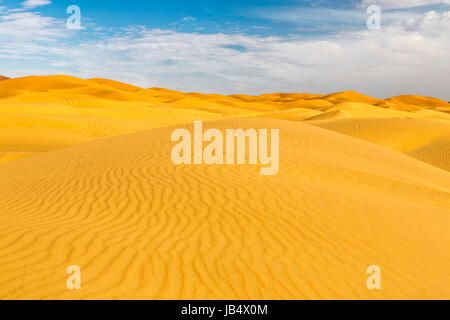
x=142, y=228
x=86, y=179
x=84, y=110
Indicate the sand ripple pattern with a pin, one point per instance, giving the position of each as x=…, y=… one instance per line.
x=142, y=228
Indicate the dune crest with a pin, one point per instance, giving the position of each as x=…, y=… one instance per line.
x=87, y=179
x=142, y=228
x=84, y=110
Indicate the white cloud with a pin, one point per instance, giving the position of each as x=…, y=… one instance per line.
x=407, y=56
x=29, y=25
x=31, y=4
x=402, y=4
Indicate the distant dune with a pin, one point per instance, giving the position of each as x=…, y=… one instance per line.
x=413, y=137
x=3, y=78
x=78, y=110
x=87, y=180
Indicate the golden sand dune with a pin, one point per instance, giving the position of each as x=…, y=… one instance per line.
x=86, y=179
x=116, y=84
x=422, y=102
x=437, y=152
x=3, y=78
x=418, y=138
x=142, y=228
x=398, y=134
x=82, y=110
x=20, y=142
x=351, y=96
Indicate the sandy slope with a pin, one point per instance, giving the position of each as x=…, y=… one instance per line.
x=86, y=179
x=83, y=110
x=141, y=227
x=437, y=152
x=424, y=139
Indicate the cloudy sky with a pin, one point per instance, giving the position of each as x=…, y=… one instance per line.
x=235, y=46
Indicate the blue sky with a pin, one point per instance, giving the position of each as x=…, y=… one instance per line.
x=235, y=46
x=252, y=17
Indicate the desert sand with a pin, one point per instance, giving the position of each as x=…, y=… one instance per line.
x=86, y=179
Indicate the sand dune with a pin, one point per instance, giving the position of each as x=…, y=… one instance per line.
x=351, y=96
x=116, y=84
x=82, y=110
x=398, y=134
x=424, y=139
x=437, y=152
x=142, y=228
x=86, y=179
x=422, y=102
